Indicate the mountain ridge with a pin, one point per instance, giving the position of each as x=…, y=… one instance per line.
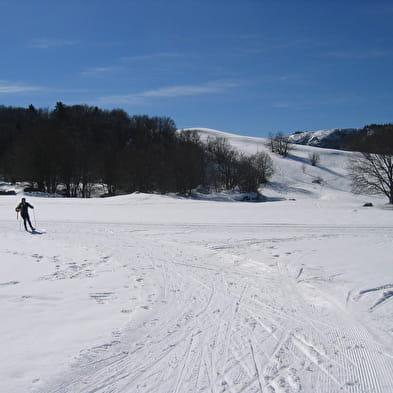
x=335, y=138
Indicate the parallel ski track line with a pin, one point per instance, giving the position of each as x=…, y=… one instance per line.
x=256, y=366
x=230, y=324
x=309, y=355
x=373, y=376
x=378, y=371
x=185, y=364
x=235, y=363
x=365, y=369
x=299, y=304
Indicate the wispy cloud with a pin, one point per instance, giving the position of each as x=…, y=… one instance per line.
x=7, y=87
x=45, y=43
x=98, y=71
x=190, y=90
x=350, y=54
x=168, y=92
x=263, y=46
x=151, y=56
x=291, y=105
x=341, y=98
x=16, y=87
x=290, y=79
x=282, y=105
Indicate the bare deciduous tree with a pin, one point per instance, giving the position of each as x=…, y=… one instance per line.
x=225, y=159
x=263, y=165
x=254, y=170
x=372, y=174
x=280, y=144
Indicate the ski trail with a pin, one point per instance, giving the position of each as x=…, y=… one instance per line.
x=228, y=331
x=184, y=366
x=220, y=322
x=256, y=366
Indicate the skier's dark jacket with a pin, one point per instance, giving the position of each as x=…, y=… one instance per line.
x=23, y=208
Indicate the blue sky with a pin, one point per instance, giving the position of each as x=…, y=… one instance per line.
x=245, y=66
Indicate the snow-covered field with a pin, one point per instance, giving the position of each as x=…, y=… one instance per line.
x=149, y=293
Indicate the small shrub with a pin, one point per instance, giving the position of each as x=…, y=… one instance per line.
x=314, y=158
x=318, y=180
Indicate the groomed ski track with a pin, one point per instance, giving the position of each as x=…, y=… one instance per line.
x=225, y=309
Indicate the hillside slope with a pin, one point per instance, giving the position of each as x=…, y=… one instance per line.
x=294, y=175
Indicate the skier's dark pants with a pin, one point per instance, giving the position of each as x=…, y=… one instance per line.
x=27, y=218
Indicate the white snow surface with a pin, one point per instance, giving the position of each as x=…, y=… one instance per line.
x=150, y=293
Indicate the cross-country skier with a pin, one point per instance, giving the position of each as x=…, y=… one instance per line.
x=23, y=208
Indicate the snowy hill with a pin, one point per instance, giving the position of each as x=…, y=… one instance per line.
x=149, y=293
x=294, y=176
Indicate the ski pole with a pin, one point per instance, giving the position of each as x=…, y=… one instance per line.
x=35, y=223
x=20, y=222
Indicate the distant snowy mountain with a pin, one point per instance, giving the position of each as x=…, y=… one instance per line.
x=336, y=138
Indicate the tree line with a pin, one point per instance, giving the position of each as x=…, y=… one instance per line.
x=71, y=149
